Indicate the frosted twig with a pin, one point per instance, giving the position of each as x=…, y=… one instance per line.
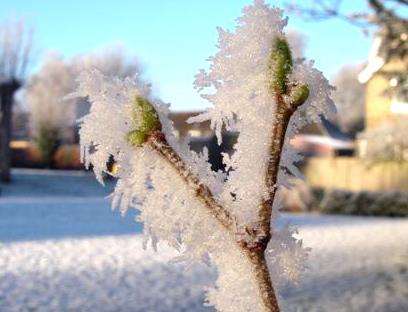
x=288, y=97
x=159, y=143
x=284, y=112
x=263, y=278
x=256, y=90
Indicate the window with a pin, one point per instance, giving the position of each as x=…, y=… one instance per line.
x=399, y=106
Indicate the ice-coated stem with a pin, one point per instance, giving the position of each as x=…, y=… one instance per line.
x=158, y=142
x=262, y=231
x=280, y=125
x=263, y=280
x=288, y=96
x=148, y=131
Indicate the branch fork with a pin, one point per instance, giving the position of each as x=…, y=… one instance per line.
x=288, y=96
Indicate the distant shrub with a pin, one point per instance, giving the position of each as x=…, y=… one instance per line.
x=67, y=157
x=25, y=154
x=33, y=156
x=47, y=141
x=393, y=204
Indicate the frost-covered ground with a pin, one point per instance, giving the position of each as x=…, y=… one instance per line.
x=62, y=249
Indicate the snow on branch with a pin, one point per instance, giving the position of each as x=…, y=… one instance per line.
x=256, y=89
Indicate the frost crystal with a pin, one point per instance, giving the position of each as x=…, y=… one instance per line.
x=243, y=103
x=174, y=189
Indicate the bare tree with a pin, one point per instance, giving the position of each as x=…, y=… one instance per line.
x=49, y=114
x=349, y=98
x=385, y=17
x=15, y=50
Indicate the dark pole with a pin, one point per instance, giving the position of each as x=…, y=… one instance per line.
x=7, y=91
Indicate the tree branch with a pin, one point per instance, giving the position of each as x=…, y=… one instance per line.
x=324, y=10
x=263, y=278
x=261, y=232
x=158, y=142
x=288, y=97
x=15, y=49
x=280, y=125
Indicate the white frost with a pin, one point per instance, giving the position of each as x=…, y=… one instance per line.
x=238, y=89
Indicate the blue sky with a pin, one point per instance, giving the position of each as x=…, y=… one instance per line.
x=172, y=38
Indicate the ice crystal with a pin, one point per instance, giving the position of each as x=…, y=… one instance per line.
x=103, y=131
x=286, y=255
x=242, y=102
x=170, y=210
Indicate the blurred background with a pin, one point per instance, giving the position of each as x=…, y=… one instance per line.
x=63, y=249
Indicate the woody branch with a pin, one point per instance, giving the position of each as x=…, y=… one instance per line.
x=288, y=96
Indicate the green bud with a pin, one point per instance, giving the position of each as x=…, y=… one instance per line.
x=136, y=137
x=144, y=113
x=280, y=65
x=299, y=95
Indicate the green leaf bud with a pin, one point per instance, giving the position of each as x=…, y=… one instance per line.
x=299, y=95
x=280, y=65
x=147, y=119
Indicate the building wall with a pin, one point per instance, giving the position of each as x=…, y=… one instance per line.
x=354, y=174
x=378, y=105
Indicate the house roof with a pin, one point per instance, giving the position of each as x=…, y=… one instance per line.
x=375, y=61
x=179, y=119
x=332, y=130
x=326, y=141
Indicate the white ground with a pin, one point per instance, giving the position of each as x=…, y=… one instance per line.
x=62, y=249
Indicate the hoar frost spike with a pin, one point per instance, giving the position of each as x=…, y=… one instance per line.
x=259, y=91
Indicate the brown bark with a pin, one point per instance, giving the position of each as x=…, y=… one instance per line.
x=260, y=234
x=262, y=231
x=255, y=254
x=263, y=278
x=280, y=125
x=159, y=143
